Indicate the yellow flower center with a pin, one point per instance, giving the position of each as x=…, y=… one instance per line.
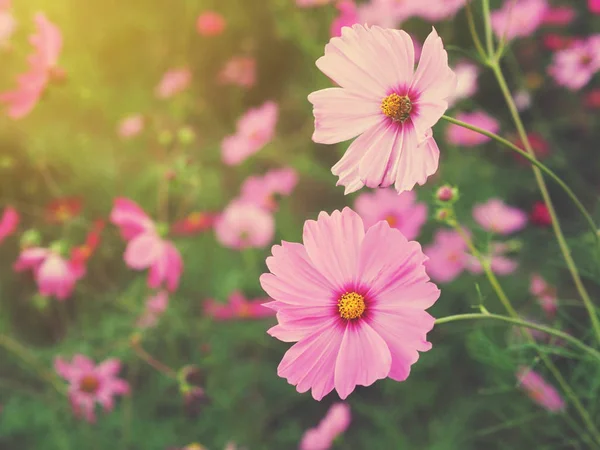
x=396, y=107
x=89, y=384
x=392, y=221
x=351, y=305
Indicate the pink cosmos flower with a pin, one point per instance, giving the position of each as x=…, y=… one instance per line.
x=238, y=307
x=402, y=212
x=448, y=256
x=497, y=217
x=522, y=99
x=8, y=25
x=518, y=18
x=382, y=99
x=255, y=129
x=384, y=13
x=466, y=85
x=353, y=301
x=156, y=305
x=131, y=126
x=173, y=82
x=261, y=191
x=545, y=294
x=539, y=390
x=244, y=225
x=146, y=249
x=333, y=424
x=89, y=383
x=347, y=16
x=8, y=222
x=438, y=10
x=498, y=262
x=575, y=66
x=464, y=137
x=594, y=6
x=210, y=23
x=239, y=70
x=559, y=15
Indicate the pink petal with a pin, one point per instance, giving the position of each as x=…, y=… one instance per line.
x=130, y=218
x=143, y=250
x=377, y=165
x=433, y=78
x=417, y=161
x=109, y=368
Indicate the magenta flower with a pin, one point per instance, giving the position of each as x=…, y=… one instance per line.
x=466, y=81
x=382, y=99
x=210, y=23
x=545, y=294
x=353, y=301
x=497, y=217
x=261, y=191
x=333, y=424
x=518, y=18
x=463, y=137
x=156, y=305
x=539, y=390
x=238, y=307
x=402, y=212
x=559, y=15
x=347, y=16
x=131, y=126
x=146, y=249
x=244, y=225
x=173, y=82
x=8, y=222
x=448, y=256
x=255, y=129
x=89, y=384
x=239, y=70
x=574, y=67
x=594, y=6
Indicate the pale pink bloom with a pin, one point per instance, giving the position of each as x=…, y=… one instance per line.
x=239, y=70
x=261, y=191
x=497, y=217
x=8, y=222
x=347, y=16
x=594, y=6
x=8, y=25
x=518, y=18
x=466, y=86
x=353, y=301
x=238, y=307
x=333, y=424
x=384, y=13
x=575, y=66
x=210, y=23
x=23, y=99
x=545, y=294
x=522, y=99
x=255, y=129
x=244, y=225
x=499, y=264
x=401, y=211
x=539, y=390
x=391, y=106
x=90, y=384
x=437, y=10
x=463, y=137
x=146, y=249
x=448, y=256
x=131, y=126
x=559, y=15
x=47, y=42
x=173, y=82
x=156, y=305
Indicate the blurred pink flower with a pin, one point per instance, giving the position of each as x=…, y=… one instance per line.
x=82, y=253
x=131, y=126
x=261, y=191
x=89, y=383
x=559, y=15
x=401, y=211
x=518, y=18
x=173, y=82
x=331, y=426
x=499, y=264
x=353, y=301
x=210, y=23
x=63, y=209
x=466, y=86
x=463, y=137
x=194, y=223
x=437, y=10
x=545, y=294
x=384, y=13
x=575, y=66
x=391, y=106
x=239, y=70
x=53, y=274
x=539, y=390
x=8, y=222
x=497, y=217
x=594, y=6
x=244, y=225
x=146, y=249
x=238, y=307
x=347, y=16
x=8, y=25
x=448, y=256
x=522, y=99
x=156, y=305
x=255, y=129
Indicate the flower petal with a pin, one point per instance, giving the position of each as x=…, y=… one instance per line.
x=143, y=250
x=433, y=78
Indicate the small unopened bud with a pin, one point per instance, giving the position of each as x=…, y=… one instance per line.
x=443, y=214
x=192, y=375
x=30, y=238
x=186, y=135
x=446, y=193
x=194, y=401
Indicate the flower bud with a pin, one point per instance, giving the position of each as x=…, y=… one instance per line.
x=30, y=238
x=446, y=193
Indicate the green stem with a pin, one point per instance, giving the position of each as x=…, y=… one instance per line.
x=537, y=164
x=473, y=30
x=489, y=43
x=522, y=323
x=562, y=243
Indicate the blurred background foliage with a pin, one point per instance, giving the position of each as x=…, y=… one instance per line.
x=461, y=395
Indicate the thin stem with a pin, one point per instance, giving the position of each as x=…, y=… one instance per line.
x=489, y=43
x=522, y=323
x=473, y=30
x=537, y=164
x=160, y=367
x=562, y=243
